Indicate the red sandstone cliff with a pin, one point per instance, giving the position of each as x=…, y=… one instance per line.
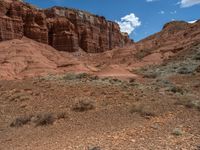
x=64, y=29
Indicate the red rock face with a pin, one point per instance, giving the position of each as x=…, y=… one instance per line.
x=10, y=28
x=35, y=27
x=64, y=29
x=91, y=33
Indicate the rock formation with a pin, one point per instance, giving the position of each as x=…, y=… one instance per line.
x=63, y=28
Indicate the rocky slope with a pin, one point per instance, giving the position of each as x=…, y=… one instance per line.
x=175, y=37
x=175, y=40
x=64, y=29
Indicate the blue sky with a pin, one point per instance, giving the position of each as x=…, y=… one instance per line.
x=138, y=17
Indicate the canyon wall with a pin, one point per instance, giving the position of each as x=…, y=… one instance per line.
x=63, y=28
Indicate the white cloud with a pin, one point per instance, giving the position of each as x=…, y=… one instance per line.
x=151, y=0
x=162, y=12
x=192, y=21
x=188, y=3
x=173, y=12
x=128, y=23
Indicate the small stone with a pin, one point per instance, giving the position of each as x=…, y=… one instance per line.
x=133, y=140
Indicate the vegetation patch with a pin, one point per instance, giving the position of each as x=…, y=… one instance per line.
x=176, y=89
x=185, y=70
x=177, y=132
x=197, y=56
x=189, y=103
x=82, y=106
x=198, y=69
x=44, y=119
x=20, y=121
x=143, y=110
x=38, y=120
x=150, y=74
x=61, y=115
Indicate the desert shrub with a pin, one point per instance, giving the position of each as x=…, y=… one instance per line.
x=184, y=70
x=132, y=80
x=20, y=121
x=105, y=79
x=144, y=111
x=61, y=115
x=164, y=83
x=44, y=119
x=38, y=120
x=191, y=104
x=114, y=80
x=197, y=56
x=82, y=76
x=69, y=76
x=197, y=69
x=188, y=103
x=176, y=89
x=198, y=107
x=94, y=78
x=73, y=76
x=150, y=74
x=83, y=105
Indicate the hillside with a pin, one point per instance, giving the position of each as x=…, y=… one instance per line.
x=27, y=58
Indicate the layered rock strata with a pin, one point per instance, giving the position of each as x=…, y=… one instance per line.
x=63, y=28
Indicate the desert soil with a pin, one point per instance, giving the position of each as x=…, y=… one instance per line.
x=74, y=112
